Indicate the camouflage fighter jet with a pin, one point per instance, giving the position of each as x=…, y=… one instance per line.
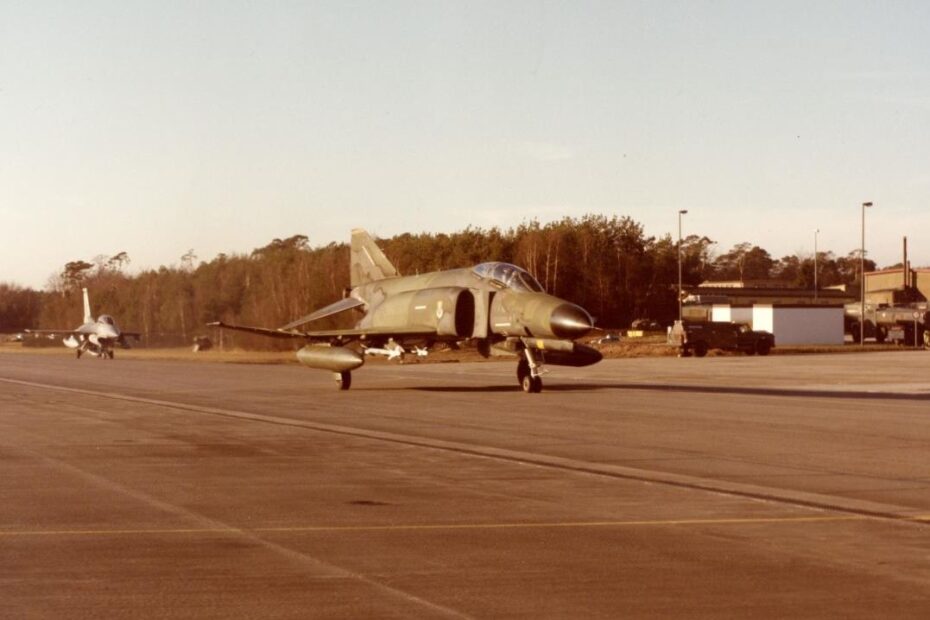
x=94, y=337
x=497, y=306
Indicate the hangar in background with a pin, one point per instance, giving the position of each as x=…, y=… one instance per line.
x=897, y=286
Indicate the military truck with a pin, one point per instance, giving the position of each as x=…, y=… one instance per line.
x=698, y=338
x=907, y=324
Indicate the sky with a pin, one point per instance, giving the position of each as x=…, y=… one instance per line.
x=159, y=127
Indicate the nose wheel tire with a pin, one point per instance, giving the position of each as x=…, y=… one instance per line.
x=344, y=380
x=531, y=385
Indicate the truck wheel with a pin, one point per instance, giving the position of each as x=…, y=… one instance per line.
x=700, y=348
x=854, y=332
x=881, y=334
x=763, y=347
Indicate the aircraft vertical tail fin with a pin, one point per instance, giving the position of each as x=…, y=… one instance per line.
x=366, y=260
x=88, y=318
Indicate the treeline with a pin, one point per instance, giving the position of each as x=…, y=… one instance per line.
x=606, y=264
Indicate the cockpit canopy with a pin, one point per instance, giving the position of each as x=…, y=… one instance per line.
x=106, y=318
x=511, y=276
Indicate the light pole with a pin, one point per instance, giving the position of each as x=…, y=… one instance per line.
x=680, y=213
x=816, y=232
x=862, y=279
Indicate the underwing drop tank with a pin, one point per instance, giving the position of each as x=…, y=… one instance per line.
x=564, y=352
x=335, y=359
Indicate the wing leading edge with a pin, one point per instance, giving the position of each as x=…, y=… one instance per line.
x=340, y=306
x=332, y=334
x=55, y=332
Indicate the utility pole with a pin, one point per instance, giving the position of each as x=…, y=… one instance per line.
x=680, y=213
x=816, y=232
x=862, y=279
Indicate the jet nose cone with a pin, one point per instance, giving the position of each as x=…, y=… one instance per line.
x=570, y=321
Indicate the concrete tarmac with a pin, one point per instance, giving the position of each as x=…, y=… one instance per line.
x=785, y=486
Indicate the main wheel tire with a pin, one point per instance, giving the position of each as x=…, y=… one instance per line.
x=763, y=347
x=78, y=354
x=881, y=334
x=344, y=380
x=700, y=349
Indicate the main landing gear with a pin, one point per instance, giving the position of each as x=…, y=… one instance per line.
x=343, y=380
x=529, y=373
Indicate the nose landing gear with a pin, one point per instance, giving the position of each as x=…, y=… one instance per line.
x=529, y=373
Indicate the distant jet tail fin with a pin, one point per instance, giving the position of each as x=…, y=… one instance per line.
x=88, y=318
x=367, y=262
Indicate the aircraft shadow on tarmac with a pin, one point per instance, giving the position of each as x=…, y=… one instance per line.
x=487, y=389
x=763, y=391
x=693, y=389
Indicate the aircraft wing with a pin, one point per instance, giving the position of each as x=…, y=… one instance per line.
x=340, y=306
x=363, y=334
x=262, y=331
x=54, y=332
x=326, y=335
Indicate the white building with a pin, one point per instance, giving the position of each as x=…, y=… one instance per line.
x=795, y=317
x=800, y=325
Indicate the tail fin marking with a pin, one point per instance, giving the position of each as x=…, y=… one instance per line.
x=367, y=262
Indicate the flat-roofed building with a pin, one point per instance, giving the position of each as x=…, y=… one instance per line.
x=897, y=286
x=795, y=316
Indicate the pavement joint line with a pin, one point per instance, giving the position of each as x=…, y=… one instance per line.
x=804, y=499
x=304, y=558
x=442, y=526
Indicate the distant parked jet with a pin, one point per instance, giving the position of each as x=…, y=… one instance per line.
x=495, y=305
x=95, y=338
